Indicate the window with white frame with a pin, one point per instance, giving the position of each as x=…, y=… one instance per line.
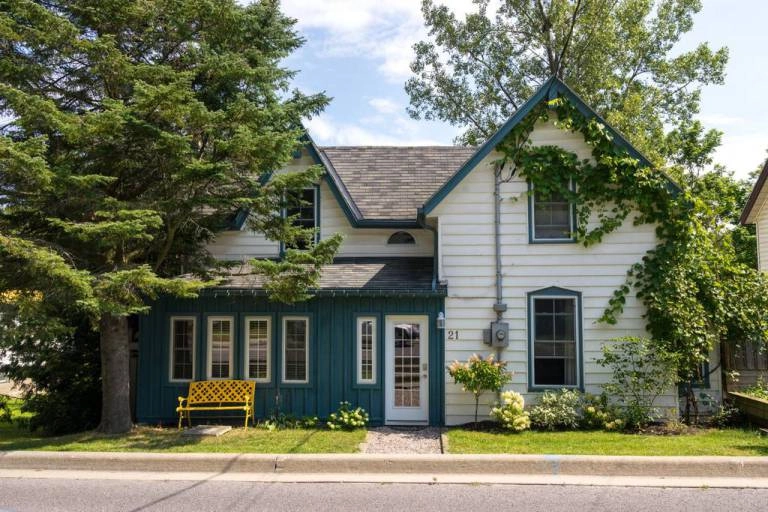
x=258, y=339
x=552, y=217
x=295, y=349
x=366, y=350
x=554, y=338
x=182, y=360
x=220, y=347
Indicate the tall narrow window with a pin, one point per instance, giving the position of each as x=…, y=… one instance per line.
x=304, y=210
x=366, y=350
x=220, y=344
x=554, y=335
x=552, y=217
x=182, y=348
x=295, y=349
x=258, y=338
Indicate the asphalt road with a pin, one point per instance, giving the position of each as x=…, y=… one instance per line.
x=131, y=495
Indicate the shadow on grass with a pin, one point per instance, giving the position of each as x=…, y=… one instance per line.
x=137, y=440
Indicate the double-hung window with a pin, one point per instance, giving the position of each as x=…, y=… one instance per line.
x=552, y=217
x=258, y=340
x=295, y=350
x=554, y=338
x=220, y=346
x=366, y=350
x=182, y=350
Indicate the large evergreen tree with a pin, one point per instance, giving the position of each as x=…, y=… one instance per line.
x=133, y=129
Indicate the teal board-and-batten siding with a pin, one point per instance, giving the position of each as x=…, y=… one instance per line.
x=332, y=354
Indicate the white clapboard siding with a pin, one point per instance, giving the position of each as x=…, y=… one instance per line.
x=465, y=220
x=762, y=236
x=366, y=242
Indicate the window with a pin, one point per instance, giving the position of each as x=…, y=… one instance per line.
x=366, y=350
x=401, y=237
x=182, y=349
x=220, y=345
x=304, y=207
x=258, y=339
x=554, y=338
x=551, y=217
x=295, y=349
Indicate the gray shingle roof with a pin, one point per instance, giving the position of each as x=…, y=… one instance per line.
x=364, y=274
x=391, y=182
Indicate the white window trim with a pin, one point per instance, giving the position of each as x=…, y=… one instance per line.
x=571, y=218
x=374, y=342
x=171, y=351
x=306, y=349
x=246, y=358
x=576, y=334
x=209, y=346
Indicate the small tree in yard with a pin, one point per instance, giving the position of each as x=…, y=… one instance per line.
x=479, y=375
x=641, y=372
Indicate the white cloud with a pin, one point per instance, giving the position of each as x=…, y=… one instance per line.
x=720, y=120
x=327, y=132
x=385, y=105
x=742, y=153
x=381, y=30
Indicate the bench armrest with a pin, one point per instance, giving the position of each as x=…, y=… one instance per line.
x=182, y=399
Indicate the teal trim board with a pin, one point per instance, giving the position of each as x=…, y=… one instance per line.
x=332, y=358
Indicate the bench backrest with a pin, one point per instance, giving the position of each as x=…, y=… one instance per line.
x=220, y=391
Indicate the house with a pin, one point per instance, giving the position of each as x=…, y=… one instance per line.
x=415, y=286
x=755, y=212
x=749, y=359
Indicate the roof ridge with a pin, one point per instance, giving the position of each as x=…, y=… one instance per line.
x=322, y=148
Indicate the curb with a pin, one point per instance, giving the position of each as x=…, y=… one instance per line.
x=558, y=465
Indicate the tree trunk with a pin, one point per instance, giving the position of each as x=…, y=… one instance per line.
x=115, y=375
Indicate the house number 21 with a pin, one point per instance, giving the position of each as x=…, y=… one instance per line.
x=453, y=335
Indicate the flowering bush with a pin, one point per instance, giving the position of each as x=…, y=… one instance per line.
x=347, y=418
x=510, y=412
x=598, y=414
x=557, y=410
x=478, y=375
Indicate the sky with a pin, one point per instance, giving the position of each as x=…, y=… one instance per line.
x=359, y=51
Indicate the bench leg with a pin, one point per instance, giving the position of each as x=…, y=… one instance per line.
x=181, y=416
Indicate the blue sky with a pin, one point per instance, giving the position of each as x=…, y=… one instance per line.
x=358, y=51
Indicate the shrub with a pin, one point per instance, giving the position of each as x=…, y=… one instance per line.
x=727, y=415
x=282, y=421
x=347, y=418
x=510, y=412
x=641, y=372
x=557, y=410
x=758, y=390
x=479, y=375
x=598, y=414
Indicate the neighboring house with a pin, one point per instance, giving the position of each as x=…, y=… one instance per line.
x=414, y=287
x=748, y=359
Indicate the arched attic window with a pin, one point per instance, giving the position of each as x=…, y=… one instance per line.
x=401, y=237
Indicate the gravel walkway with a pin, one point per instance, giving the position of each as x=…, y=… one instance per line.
x=403, y=440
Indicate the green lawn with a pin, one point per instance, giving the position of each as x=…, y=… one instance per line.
x=735, y=442
x=237, y=440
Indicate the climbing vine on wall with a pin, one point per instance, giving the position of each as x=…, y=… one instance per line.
x=695, y=290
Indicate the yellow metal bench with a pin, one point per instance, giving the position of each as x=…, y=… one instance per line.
x=217, y=395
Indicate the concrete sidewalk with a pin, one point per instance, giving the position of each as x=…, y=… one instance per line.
x=476, y=466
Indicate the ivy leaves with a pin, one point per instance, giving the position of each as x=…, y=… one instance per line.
x=694, y=285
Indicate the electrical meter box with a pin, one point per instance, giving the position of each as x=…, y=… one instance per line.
x=499, y=334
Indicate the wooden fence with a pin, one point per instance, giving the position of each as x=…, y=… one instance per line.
x=750, y=361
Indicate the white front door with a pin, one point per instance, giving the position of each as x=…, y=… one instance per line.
x=407, y=370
